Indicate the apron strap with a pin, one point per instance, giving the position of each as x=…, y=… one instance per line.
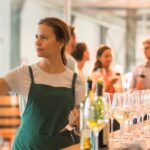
x=31, y=74
x=73, y=83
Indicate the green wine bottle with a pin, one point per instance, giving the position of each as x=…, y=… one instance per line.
x=104, y=133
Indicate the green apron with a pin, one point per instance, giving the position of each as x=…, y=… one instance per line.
x=45, y=115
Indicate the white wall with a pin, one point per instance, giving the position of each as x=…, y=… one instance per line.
x=4, y=36
x=116, y=40
x=88, y=32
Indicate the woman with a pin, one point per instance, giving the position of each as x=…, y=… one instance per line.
x=50, y=91
x=102, y=69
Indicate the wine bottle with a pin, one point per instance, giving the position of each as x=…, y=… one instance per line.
x=104, y=133
x=85, y=140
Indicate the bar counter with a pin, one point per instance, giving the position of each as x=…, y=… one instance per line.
x=73, y=147
x=143, y=144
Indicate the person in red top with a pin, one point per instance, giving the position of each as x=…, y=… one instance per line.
x=102, y=69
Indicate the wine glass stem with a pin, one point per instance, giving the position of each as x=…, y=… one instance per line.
x=121, y=133
x=96, y=133
x=142, y=123
x=112, y=121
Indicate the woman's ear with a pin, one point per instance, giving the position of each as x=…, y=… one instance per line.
x=61, y=45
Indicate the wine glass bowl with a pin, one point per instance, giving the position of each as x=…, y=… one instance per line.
x=121, y=114
x=96, y=120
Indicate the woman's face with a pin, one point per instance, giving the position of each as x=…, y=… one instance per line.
x=46, y=44
x=106, y=58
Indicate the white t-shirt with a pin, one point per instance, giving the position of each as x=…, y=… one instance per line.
x=19, y=81
x=71, y=62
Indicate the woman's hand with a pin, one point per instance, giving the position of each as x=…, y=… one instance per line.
x=140, y=83
x=74, y=117
x=114, y=79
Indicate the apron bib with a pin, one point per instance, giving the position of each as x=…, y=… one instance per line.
x=45, y=115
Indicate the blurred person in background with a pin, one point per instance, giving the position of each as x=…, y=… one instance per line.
x=141, y=73
x=81, y=55
x=71, y=62
x=50, y=92
x=102, y=69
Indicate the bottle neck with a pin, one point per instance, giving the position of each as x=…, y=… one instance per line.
x=88, y=87
x=89, y=92
x=99, y=91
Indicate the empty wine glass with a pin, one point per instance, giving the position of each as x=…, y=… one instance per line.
x=120, y=111
x=108, y=97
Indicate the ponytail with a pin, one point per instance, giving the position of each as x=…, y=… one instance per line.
x=63, y=56
x=97, y=65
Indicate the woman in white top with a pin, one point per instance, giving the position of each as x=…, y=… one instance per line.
x=50, y=91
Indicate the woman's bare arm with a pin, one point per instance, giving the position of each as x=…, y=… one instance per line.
x=4, y=88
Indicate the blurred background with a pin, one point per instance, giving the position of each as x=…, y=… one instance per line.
x=122, y=24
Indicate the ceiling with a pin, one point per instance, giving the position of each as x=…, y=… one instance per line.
x=117, y=7
x=107, y=9
x=111, y=4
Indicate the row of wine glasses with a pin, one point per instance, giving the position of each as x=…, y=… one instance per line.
x=127, y=107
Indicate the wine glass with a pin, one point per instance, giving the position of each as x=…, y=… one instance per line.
x=142, y=73
x=120, y=111
x=130, y=104
x=96, y=117
x=118, y=69
x=108, y=97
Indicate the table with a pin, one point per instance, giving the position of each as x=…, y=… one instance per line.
x=74, y=147
x=144, y=144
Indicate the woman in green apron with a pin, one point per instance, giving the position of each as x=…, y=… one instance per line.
x=50, y=91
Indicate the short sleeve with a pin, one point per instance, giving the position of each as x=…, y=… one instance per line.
x=16, y=79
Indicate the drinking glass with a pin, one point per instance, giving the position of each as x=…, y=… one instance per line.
x=120, y=112
x=96, y=117
x=108, y=98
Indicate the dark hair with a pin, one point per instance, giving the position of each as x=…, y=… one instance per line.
x=61, y=31
x=100, y=52
x=79, y=50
